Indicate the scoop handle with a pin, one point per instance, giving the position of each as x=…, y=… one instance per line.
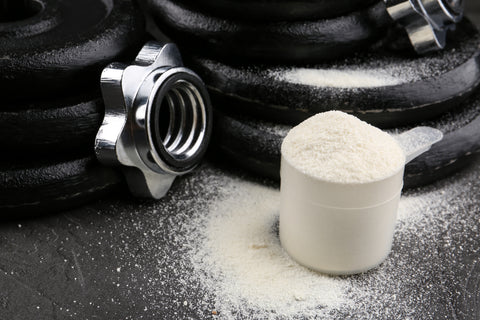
x=418, y=140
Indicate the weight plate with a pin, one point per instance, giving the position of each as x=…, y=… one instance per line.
x=383, y=87
x=255, y=145
x=64, y=45
x=269, y=41
x=277, y=10
x=48, y=186
x=60, y=126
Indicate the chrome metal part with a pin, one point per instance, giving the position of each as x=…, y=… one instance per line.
x=157, y=122
x=426, y=21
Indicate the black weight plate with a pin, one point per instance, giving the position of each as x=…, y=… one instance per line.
x=48, y=186
x=255, y=144
x=383, y=87
x=277, y=10
x=59, y=126
x=65, y=45
x=274, y=41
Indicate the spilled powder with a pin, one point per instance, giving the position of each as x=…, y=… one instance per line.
x=379, y=69
x=338, y=147
x=338, y=78
x=213, y=243
x=239, y=257
x=242, y=249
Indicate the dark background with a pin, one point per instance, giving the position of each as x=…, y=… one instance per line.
x=92, y=262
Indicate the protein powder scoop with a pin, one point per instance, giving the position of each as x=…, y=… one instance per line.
x=341, y=181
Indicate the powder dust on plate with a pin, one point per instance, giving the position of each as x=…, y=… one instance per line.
x=370, y=70
x=337, y=147
x=353, y=78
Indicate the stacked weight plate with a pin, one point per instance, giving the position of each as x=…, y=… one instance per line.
x=51, y=56
x=271, y=64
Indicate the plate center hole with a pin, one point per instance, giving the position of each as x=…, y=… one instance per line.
x=17, y=10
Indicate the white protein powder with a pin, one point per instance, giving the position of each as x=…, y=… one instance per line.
x=242, y=245
x=349, y=78
x=336, y=147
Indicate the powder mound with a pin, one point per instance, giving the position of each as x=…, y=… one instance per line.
x=337, y=147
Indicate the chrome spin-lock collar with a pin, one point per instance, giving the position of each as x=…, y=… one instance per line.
x=426, y=21
x=157, y=121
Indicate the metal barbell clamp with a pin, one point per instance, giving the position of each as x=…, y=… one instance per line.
x=426, y=21
x=157, y=122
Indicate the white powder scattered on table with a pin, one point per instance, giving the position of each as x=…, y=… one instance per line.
x=338, y=78
x=337, y=147
x=237, y=256
x=174, y=251
x=242, y=246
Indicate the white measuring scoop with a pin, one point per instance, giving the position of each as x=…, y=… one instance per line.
x=418, y=140
x=340, y=228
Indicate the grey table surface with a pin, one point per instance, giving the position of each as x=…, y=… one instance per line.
x=99, y=261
